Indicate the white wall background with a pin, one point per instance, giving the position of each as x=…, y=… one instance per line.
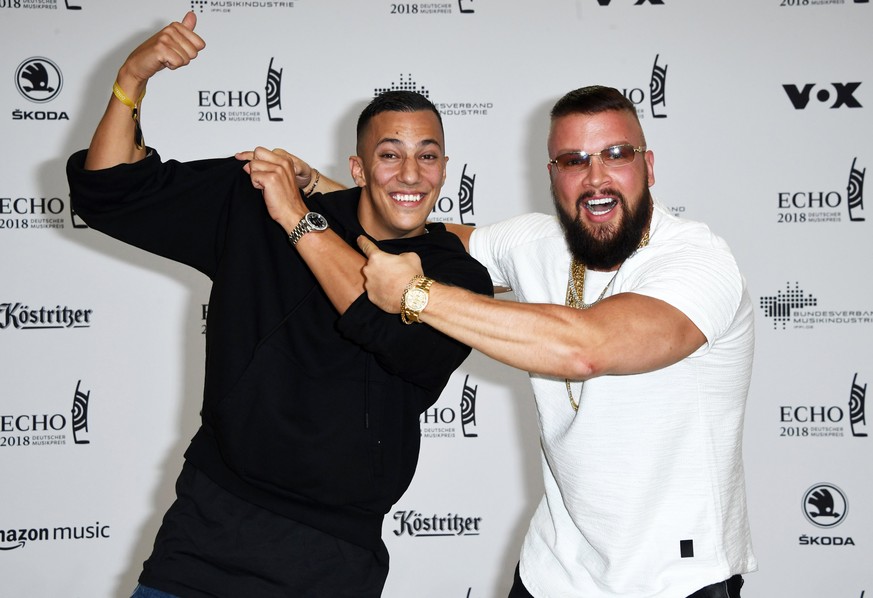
x=732, y=150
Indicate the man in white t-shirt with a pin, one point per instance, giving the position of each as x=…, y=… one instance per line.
x=637, y=330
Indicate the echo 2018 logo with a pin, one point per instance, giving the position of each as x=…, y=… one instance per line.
x=243, y=105
x=47, y=429
x=439, y=422
x=824, y=206
x=657, y=92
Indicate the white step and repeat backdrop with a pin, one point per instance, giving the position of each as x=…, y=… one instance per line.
x=759, y=114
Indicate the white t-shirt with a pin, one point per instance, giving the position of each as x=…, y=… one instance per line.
x=649, y=469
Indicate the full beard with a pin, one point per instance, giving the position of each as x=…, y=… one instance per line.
x=606, y=247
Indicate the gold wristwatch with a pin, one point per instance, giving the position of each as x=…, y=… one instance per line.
x=415, y=298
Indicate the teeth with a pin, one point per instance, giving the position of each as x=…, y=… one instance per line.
x=407, y=197
x=605, y=203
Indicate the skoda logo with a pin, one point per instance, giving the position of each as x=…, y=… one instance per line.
x=38, y=79
x=825, y=505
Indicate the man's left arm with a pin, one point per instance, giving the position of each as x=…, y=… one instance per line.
x=419, y=354
x=335, y=264
x=422, y=356
x=628, y=333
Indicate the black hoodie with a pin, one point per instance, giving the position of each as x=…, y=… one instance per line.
x=310, y=414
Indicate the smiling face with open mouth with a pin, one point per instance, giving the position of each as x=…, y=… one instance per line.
x=604, y=209
x=401, y=168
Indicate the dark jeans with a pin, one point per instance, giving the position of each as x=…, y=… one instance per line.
x=729, y=588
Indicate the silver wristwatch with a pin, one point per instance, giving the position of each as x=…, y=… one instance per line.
x=313, y=221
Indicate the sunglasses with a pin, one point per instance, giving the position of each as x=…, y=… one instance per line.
x=616, y=155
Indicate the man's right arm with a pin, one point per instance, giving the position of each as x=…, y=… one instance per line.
x=115, y=140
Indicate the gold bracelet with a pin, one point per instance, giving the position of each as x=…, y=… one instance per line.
x=314, y=182
x=134, y=112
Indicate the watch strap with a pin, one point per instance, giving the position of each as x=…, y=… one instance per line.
x=408, y=315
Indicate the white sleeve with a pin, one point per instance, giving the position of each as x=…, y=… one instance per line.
x=702, y=281
x=493, y=245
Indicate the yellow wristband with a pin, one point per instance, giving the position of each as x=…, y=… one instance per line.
x=134, y=112
x=118, y=93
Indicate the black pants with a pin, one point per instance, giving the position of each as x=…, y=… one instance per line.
x=730, y=588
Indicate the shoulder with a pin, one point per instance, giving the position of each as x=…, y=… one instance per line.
x=515, y=232
x=670, y=230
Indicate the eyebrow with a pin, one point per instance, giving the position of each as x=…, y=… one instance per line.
x=422, y=143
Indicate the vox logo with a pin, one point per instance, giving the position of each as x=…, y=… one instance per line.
x=842, y=94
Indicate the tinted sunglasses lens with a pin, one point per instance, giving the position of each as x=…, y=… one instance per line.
x=573, y=161
x=618, y=154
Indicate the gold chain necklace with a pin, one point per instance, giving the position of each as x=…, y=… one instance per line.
x=576, y=298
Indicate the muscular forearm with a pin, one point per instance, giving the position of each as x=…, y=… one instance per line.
x=113, y=141
x=532, y=337
x=172, y=47
x=336, y=266
x=624, y=334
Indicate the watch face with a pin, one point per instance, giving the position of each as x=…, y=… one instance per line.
x=316, y=221
x=416, y=299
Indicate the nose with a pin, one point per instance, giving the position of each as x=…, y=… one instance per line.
x=409, y=171
x=597, y=172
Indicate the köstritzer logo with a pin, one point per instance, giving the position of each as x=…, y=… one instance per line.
x=416, y=524
x=24, y=317
x=843, y=94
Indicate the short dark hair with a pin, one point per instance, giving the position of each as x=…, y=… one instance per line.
x=396, y=101
x=592, y=100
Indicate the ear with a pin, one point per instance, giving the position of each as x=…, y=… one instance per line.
x=356, y=167
x=650, y=163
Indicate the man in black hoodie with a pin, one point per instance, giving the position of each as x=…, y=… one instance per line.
x=310, y=418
